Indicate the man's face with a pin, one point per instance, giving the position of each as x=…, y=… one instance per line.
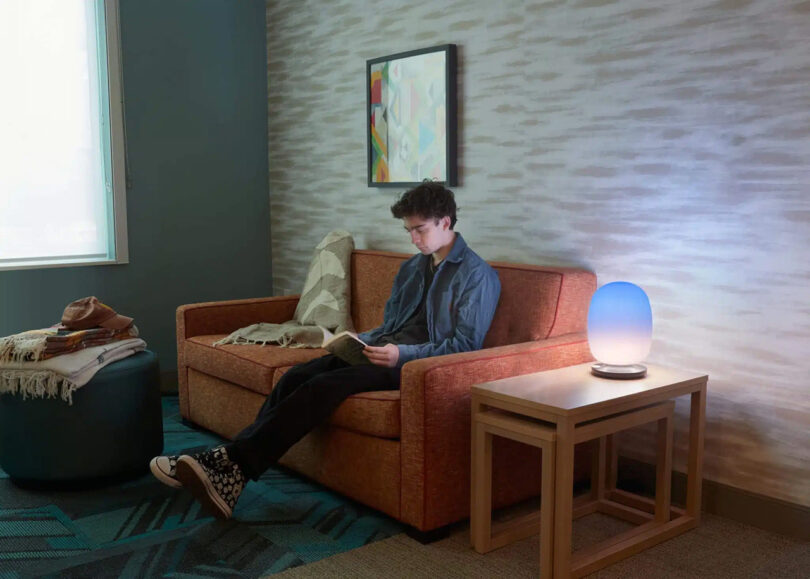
x=428, y=235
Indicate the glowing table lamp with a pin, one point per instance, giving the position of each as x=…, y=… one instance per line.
x=620, y=330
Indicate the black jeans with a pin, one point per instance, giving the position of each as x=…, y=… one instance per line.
x=302, y=399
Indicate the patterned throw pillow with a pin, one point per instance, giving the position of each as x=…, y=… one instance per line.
x=326, y=297
x=325, y=301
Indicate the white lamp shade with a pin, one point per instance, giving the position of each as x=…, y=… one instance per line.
x=620, y=324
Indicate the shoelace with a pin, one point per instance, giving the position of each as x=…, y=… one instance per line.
x=214, y=459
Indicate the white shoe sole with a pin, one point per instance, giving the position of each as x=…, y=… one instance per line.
x=162, y=476
x=192, y=476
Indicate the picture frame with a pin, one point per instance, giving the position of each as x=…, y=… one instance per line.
x=411, y=117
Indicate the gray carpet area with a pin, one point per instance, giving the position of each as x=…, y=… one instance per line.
x=718, y=548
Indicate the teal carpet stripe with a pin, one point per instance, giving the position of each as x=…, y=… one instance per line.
x=21, y=555
x=32, y=528
x=143, y=529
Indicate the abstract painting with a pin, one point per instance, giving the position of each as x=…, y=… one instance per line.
x=412, y=117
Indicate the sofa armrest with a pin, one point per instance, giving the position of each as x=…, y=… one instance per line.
x=225, y=317
x=435, y=407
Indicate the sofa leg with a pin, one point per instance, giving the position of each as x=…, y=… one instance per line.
x=426, y=537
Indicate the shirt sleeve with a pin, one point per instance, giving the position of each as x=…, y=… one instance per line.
x=476, y=307
x=371, y=336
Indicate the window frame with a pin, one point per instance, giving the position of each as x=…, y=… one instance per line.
x=117, y=139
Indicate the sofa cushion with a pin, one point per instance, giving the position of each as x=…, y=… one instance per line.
x=374, y=413
x=259, y=368
x=373, y=274
x=248, y=365
x=526, y=306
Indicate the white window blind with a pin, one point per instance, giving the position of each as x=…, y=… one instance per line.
x=62, y=189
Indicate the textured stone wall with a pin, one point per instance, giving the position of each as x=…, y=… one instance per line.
x=661, y=143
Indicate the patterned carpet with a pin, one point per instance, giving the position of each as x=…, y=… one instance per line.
x=144, y=529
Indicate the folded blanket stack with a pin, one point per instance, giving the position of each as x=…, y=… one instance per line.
x=58, y=360
x=63, y=375
x=35, y=345
x=67, y=341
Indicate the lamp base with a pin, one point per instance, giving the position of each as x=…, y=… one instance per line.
x=616, y=372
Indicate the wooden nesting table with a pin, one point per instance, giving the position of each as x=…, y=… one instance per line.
x=556, y=409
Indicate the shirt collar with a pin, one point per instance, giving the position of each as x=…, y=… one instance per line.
x=457, y=252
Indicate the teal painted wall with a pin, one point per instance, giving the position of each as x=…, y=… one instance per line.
x=195, y=87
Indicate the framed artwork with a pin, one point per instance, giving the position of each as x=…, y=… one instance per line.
x=411, y=116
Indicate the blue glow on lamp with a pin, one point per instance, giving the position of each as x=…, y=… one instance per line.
x=620, y=330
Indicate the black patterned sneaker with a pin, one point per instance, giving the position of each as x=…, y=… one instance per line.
x=213, y=479
x=165, y=470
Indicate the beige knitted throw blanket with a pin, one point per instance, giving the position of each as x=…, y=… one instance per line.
x=62, y=375
x=325, y=301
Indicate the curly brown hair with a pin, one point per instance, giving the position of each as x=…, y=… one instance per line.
x=428, y=199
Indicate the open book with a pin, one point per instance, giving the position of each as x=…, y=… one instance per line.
x=346, y=346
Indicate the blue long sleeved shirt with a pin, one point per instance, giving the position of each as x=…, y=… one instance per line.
x=460, y=303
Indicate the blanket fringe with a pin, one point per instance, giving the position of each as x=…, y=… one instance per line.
x=284, y=341
x=39, y=384
x=18, y=348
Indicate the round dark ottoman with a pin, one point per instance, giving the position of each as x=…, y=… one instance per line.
x=112, y=430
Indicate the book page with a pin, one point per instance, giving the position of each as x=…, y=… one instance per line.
x=327, y=335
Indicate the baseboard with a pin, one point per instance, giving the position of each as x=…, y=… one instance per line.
x=746, y=507
x=168, y=382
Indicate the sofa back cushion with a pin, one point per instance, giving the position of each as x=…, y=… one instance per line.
x=536, y=302
x=373, y=275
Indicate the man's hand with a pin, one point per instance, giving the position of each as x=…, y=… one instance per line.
x=382, y=355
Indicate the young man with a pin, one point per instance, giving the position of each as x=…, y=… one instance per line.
x=442, y=301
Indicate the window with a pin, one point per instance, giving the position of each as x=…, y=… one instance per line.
x=62, y=185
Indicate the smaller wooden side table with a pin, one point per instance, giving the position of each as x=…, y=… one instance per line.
x=578, y=406
x=485, y=425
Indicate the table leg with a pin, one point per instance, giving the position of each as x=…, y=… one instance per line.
x=599, y=468
x=563, y=497
x=547, y=514
x=481, y=489
x=611, y=462
x=694, y=480
x=663, y=469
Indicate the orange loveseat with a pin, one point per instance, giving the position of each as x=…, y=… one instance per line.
x=407, y=452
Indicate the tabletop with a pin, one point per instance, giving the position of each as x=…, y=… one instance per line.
x=573, y=389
